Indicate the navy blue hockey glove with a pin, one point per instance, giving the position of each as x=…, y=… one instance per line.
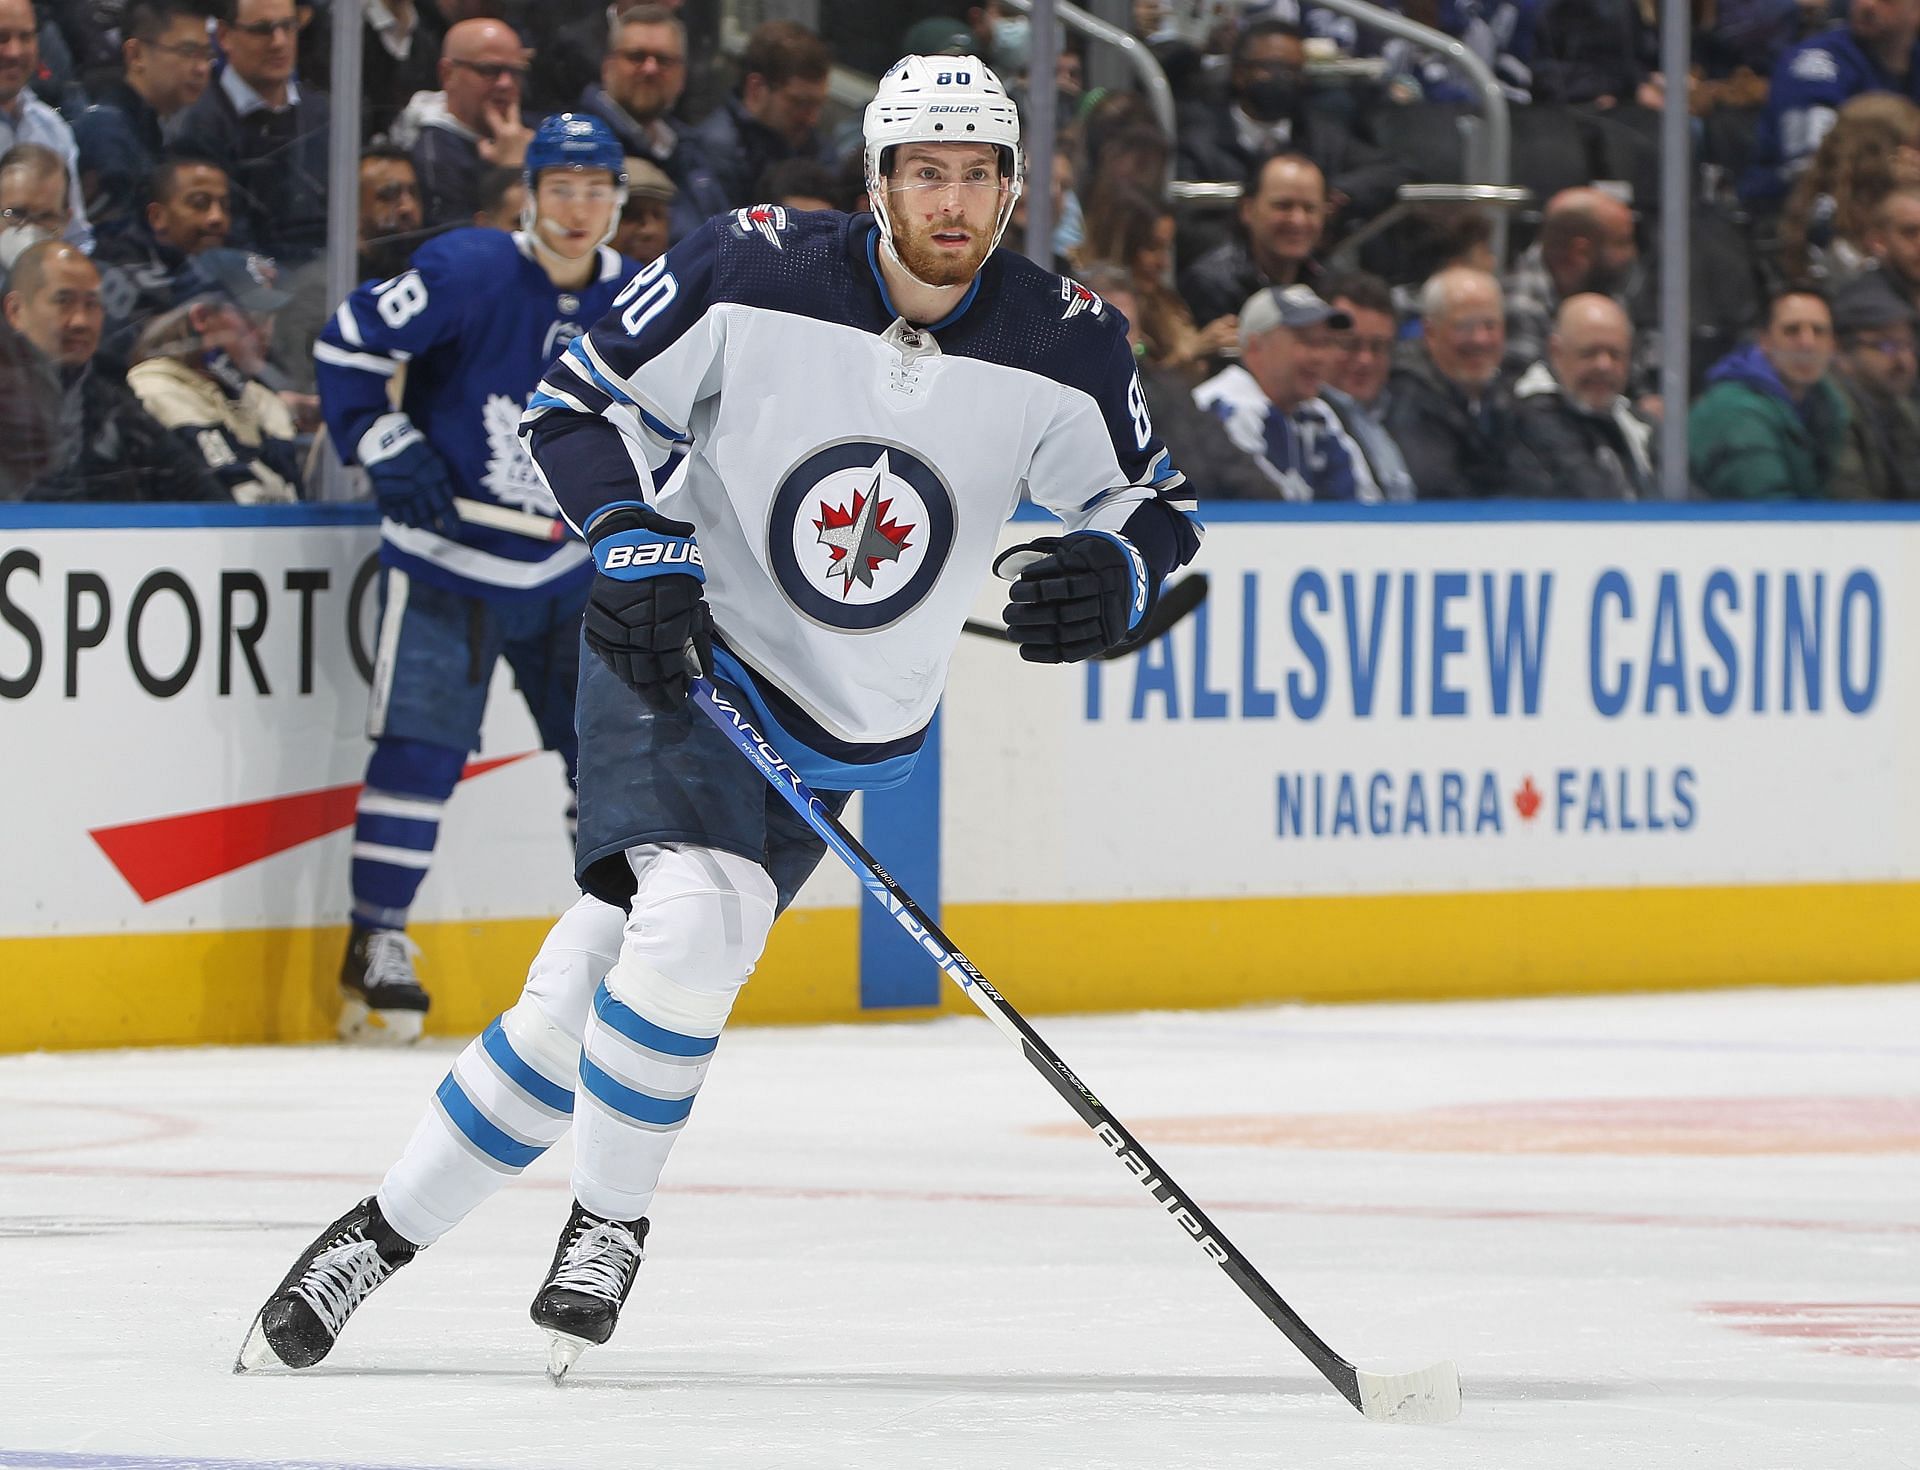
x=1074, y=596
x=410, y=480
x=646, y=605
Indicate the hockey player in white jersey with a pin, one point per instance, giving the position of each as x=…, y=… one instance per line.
x=792, y=444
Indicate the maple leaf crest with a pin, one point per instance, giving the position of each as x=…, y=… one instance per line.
x=860, y=537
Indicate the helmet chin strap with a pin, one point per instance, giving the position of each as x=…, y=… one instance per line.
x=883, y=217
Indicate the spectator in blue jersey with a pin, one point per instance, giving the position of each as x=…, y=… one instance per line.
x=1771, y=424
x=473, y=123
x=168, y=60
x=775, y=114
x=1267, y=113
x=1878, y=50
x=189, y=210
x=1270, y=400
x=24, y=118
x=641, y=80
x=267, y=130
x=198, y=370
x=477, y=564
x=1574, y=415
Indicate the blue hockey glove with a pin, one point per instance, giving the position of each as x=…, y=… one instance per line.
x=410, y=481
x=1074, y=596
x=646, y=605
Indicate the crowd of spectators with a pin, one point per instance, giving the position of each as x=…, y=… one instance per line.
x=164, y=177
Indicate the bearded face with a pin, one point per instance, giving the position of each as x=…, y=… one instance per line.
x=944, y=202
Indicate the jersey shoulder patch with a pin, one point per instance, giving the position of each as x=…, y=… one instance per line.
x=768, y=222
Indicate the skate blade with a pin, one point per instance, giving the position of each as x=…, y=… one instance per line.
x=563, y=1352
x=256, y=1352
x=361, y=1026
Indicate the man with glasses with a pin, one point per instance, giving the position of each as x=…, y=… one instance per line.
x=1591, y=442
x=775, y=114
x=34, y=189
x=473, y=123
x=1357, y=374
x=24, y=118
x=1875, y=372
x=168, y=58
x=267, y=130
x=476, y=318
x=641, y=79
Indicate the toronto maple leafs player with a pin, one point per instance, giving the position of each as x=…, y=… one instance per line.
x=468, y=329
x=792, y=444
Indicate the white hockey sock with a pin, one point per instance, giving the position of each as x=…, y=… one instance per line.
x=510, y=1095
x=642, y=1063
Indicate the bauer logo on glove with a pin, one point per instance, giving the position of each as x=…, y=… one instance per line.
x=1074, y=597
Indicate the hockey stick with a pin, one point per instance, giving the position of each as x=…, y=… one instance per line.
x=1431, y=1396
x=1176, y=601
x=506, y=518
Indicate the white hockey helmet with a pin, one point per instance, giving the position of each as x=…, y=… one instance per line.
x=941, y=99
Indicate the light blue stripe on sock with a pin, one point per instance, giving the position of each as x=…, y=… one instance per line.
x=521, y=1073
x=636, y=1027
x=481, y=1130
x=636, y=1105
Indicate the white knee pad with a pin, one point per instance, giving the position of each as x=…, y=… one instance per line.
x=700, y=917
x=573, y=959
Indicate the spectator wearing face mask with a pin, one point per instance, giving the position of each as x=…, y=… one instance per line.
x=1267, y=113
x=198, y=371
x=87, y=437
x=775, y=114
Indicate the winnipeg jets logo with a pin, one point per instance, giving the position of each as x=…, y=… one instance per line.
x=765, y=220
x=510, y=477
x=861, y=539
x=1078, y=299
x=859, y=533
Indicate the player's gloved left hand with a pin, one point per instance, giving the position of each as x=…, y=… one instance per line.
x=646, y=605
x=410, y=480
x=1075, y=596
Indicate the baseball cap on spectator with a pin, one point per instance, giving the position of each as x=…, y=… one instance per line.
x=243, y=278
x=1288, y=306
x=1868, y=303
x=648, y=181
x=938, y=35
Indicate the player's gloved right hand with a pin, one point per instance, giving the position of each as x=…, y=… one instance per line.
x=646, y=605
x=1073, y=596
x=410, y=480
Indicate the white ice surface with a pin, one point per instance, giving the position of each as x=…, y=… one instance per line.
x=871, y=1251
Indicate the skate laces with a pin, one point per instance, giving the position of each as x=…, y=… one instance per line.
x=340, y=1278
x=599, y=1261
x=390, y=956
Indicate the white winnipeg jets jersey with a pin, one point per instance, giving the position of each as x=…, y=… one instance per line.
x=847, y=474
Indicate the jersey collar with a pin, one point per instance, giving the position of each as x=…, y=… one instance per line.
x=886, y=298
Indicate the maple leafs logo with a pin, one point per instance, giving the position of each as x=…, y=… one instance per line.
x=860, y=538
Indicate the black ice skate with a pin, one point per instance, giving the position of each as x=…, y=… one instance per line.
x=592, y=1272
x=302, y=1319
x=381, y=1002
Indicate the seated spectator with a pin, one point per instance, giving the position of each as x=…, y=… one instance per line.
x=503, y=196
x=775, y=115
x=1270, y=400
x=1875, y=373
x=168, y=60
x=1197, y=441
x=1267, y=113
x=1499, y=32
x=399, y=56
x=390, y=231
x=643, y=232
x=472, y=124
x=799, y=183
x=267, y=131
x=1574, y=414
x=24, y=118
x=101, y=445
x=198, y=371
x=34, y=191
x=1134, y=230
x=1586, y=244
x=191, y=211
x=1893, y=241
x=1771, y=424
x=1874, y=148
x=1357, y=374
x=1878, y=50
x=1069, y=224
x=1590, y=51
x=1282, y=216
x=1448, y=408
x=641, y=81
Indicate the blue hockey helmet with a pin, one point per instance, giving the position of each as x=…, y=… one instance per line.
x=574, y=140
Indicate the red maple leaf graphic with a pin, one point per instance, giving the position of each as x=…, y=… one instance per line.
x=835, y=519
x=1526, y=800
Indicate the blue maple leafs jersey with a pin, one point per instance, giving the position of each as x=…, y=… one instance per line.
x=1810, y=84
x=848, y=474
x=472, y=324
